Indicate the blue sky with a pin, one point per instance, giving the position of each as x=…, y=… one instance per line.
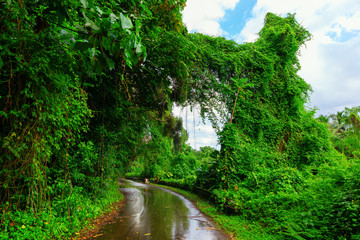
x=235, y=19
x=330, y=61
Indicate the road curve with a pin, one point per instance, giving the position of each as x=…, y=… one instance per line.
x=153, y=212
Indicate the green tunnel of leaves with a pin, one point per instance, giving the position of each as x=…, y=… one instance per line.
x=87, y=89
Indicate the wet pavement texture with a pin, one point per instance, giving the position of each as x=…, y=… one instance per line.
x=152, y=212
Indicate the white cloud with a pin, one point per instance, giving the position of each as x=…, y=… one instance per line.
x=204, y=15
x=206, y=129
x=334, y=73
x=330, y=60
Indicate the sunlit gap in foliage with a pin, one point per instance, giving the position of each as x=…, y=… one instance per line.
x=201, y=132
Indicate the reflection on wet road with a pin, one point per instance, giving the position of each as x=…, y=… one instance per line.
x=151, y=212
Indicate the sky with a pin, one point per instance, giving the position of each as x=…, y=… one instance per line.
x=330, y=61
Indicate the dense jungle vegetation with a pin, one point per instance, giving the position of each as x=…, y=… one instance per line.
x=86, y=93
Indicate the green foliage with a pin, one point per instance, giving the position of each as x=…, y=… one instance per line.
x=57, y=223
x=277, y=165
x=86, y=93
x=80, y=83
x=345, y=129
x=273, y=166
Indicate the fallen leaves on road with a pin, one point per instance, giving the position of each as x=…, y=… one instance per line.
x=210, y=228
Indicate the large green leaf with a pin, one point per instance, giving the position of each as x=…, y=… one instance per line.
x=110, y=63
x=125, y=22
x=91, y=24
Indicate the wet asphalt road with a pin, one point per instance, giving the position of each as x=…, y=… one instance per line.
x=152, y=212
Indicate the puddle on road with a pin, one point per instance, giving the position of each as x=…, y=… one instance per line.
x=151, y=212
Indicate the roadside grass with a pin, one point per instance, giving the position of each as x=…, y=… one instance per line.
x=63, y=220
x=234, y=226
